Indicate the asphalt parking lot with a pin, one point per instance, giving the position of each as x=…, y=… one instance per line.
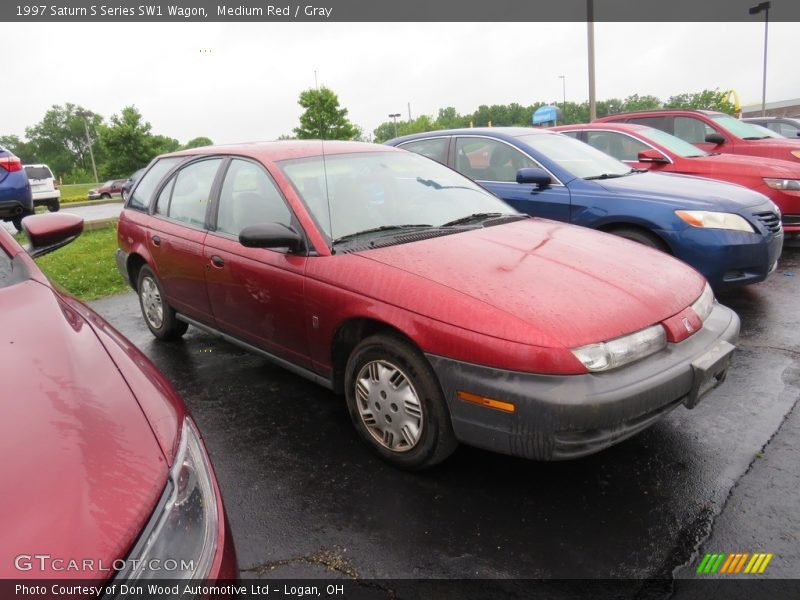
x=306, y=499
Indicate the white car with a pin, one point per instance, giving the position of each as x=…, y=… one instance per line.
x=43, y=186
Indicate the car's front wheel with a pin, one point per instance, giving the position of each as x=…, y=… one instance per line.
x=396, y=403
x=158, y=314
x=105, y=196
x=53, y=206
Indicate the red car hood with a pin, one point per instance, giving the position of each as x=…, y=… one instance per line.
x=81, y=468
x=539, y=282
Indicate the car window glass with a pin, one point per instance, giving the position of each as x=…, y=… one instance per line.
x=786, y=129
x=572, y=134
x=692, y=130
x=140, y=198
x=192, y=191
x=435, y=148
x=618, y=145
x=162, y=204
x=489, y=160
x=249, y=197
x=657, y=122
x=38, y=172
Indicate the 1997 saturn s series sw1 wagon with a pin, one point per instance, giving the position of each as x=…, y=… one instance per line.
x=441, y=313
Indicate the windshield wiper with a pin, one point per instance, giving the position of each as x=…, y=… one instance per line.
x=350, y=236
x=478, y=217
x=608, y=175
x=763, y=137
x=438, y=186
x=635, y=170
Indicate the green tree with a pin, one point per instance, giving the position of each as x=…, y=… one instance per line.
x=706, y=100
x=386, y=131
x=323, y=118
x=198, y=142
x=20, y=148
x=128, y=144
x=59, y=139
x=448, y=118
x=637, y=102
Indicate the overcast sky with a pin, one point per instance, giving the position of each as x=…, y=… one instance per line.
x=238, y=82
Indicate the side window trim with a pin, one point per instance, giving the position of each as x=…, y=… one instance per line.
x=173, y=173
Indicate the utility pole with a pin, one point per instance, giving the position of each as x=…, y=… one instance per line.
x=83, y=115
x=394, y=116
x=754, y=10
x=590, y=40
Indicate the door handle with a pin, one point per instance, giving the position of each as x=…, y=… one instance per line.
x=217, y=261
x=156, y=240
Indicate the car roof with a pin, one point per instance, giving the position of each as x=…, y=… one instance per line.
x=506, y=133
x=612, y=126
x=661, y=111
x=38, y=165
x=283, y=149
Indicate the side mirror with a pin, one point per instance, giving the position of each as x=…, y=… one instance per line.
x=270, y=235
x=651, y=155
x=715, y=138
x=535, y=175
x=50, y=231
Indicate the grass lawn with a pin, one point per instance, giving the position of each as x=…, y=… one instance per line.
x=86, y=268
x=78, y=192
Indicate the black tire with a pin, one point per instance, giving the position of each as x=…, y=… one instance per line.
x=105, y=196
x=17, y=220
x=53, y=206
x=154, y=305
x=407, y=375
x=642, y=237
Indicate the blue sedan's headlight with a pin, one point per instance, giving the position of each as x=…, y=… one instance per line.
x=714, y=220
x=180, y=539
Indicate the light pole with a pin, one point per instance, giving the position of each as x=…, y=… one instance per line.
x=83, y=115
x=590, y=44
x=563, y=79
x=754, y=10
x=394, y=116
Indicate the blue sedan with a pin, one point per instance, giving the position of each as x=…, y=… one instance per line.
x=731, y=234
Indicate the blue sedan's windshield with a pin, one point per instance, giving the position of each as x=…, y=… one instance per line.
x=579, y=159
x=364, y=191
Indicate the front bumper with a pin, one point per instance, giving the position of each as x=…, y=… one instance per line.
x=566, y=416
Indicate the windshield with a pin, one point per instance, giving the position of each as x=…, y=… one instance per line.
x=580, y=159
x=741, y=129
x=351, y=193
x=674, y=144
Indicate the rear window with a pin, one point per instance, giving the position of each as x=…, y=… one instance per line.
x=140, y=199
x=38, y=173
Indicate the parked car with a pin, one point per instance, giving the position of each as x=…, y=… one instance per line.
x=440, y=312
x=732, y=235
x=645, y=147
x=129, y=182
x=713, y=132
x=43, y=187
x=786, y=126
x=108, y=189
x=105, y=474
x=16, y=200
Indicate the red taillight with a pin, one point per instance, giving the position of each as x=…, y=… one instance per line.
x=10, y=163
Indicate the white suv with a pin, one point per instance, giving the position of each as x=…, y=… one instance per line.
x=44, y=187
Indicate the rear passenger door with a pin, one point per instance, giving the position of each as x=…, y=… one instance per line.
x=177, y=233
x=256, y=294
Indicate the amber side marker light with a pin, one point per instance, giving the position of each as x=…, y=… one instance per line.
x=488, y=402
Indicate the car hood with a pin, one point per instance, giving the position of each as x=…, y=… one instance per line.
x=535, y=282
x=81, y=468
x=687, y=191
x=737, y=164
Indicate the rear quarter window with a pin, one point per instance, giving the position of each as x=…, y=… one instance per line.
x=143, y=192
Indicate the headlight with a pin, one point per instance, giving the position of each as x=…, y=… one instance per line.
x=622, y=350
x=714, y=220
x=796, y=153
x=704, y=304
x=180, y=539
x=782, y=184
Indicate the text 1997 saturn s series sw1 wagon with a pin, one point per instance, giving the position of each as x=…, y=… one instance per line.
x=441, y=313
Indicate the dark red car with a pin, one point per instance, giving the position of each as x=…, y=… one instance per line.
x=440, y=312
x=713, y=132
x=645, y=147
x=104, y=473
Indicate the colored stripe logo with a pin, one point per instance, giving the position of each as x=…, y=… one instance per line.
x=738, y=562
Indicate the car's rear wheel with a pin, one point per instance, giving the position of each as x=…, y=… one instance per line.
x=396, y=403
x=158, y=314
x=17, y=220
x=53, y=206
x=640, y=236
x=105, y=196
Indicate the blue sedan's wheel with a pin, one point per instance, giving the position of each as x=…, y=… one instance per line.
x=396, y=403
x=642, y=237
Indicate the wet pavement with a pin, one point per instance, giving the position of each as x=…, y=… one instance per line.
x=306, y=499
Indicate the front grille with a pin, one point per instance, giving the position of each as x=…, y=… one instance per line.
x=791, y=219
x=770, y=220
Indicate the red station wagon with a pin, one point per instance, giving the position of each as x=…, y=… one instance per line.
x=441, y=313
